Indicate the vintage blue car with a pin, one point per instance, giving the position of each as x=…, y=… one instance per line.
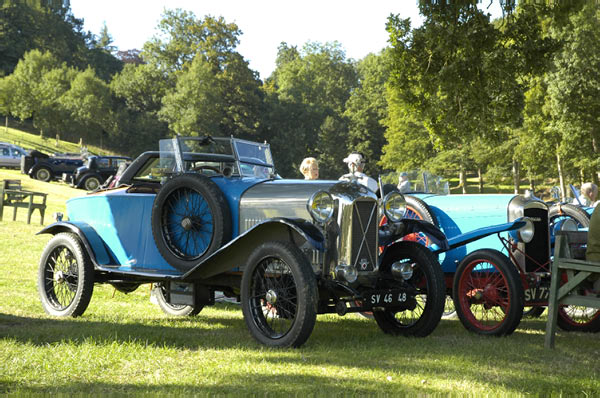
x=493, y=278
x=210, y=214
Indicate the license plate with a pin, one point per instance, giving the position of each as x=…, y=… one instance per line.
x=535, y=294
x=385, y=298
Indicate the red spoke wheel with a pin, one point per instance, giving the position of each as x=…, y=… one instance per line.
x=576, y=318
x=488, y=293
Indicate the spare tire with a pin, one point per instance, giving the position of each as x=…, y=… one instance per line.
x=190, y=220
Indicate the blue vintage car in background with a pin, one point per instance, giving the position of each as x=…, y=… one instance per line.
x=203, y=215
x=493, y=278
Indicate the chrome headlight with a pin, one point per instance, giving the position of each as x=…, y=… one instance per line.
x=321, y=206
x=525, y=233
x=394, y=206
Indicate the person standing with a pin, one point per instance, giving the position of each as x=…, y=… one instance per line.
x=356, y=164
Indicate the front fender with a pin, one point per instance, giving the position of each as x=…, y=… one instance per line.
x=234, y=254
x=480, y=233
x=92, y=242
x=393, y=231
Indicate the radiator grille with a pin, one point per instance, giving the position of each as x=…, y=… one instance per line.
x=538, y=250
x=364, y=235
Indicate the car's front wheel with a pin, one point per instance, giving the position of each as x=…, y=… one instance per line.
x=488, y=293
x=424, y=279
x=279, y=295
x=65, y=277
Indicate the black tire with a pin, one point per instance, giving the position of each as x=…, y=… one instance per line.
x=421, y=210
x=279, y=295
x=173, y=309
x=65, y=277
x=43, y=174
x=559, y=211
x=427, y=281
x=190, y=220
x=488, y=293
x=91, y=183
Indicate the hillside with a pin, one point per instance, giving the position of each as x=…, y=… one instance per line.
x=46, y=144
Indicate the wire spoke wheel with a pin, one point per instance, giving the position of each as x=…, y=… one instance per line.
x=190, y=220
x=279, y=295
x=273, y=297
x=188, y=223
x=488, y=294
x=425, y=289
x=65, y=277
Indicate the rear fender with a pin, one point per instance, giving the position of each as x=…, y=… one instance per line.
x=91, y=240
x=234, y=254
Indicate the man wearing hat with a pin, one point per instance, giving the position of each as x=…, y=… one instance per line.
x=403, y=183
x=356, y=163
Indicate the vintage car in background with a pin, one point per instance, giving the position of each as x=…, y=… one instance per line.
x=492, y=279
x=10, y=155
x=204, y=215
x=95, y=171
x=43, y=167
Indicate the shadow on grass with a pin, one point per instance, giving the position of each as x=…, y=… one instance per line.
x=517, y=363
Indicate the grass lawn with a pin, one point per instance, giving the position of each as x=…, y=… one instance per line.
x=124, y=344
x=47, y=145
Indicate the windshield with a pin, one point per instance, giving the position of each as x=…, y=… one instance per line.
x=255, y=159
x=416, y=181
x=214, y=156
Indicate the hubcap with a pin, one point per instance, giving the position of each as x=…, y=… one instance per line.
x=186, y=223
x=271, y=297
x=59, y=277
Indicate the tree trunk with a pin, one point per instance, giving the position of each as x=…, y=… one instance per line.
x=561, y=177
x=6, y=124
x=581, y=177
x=480, y=175
x=41, y=133
x=462, y=180
x=516, y=176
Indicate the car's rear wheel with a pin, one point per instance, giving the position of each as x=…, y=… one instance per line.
x=279, y=295
x=190, y=220
x=428, y=293
x=91, y=183
x=65, y=277
x=168, y=308
x=488, y=293
x=43, y=174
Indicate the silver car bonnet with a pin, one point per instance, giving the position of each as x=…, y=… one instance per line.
x=278, y=198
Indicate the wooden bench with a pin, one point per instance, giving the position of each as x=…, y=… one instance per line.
x=11, y=194
x=569, y=260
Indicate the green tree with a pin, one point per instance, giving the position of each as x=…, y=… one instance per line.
x=367, y=109
x=574, y=90
x=30, y=95
x=88, y=101
x=317, y=83
x=181, y=37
